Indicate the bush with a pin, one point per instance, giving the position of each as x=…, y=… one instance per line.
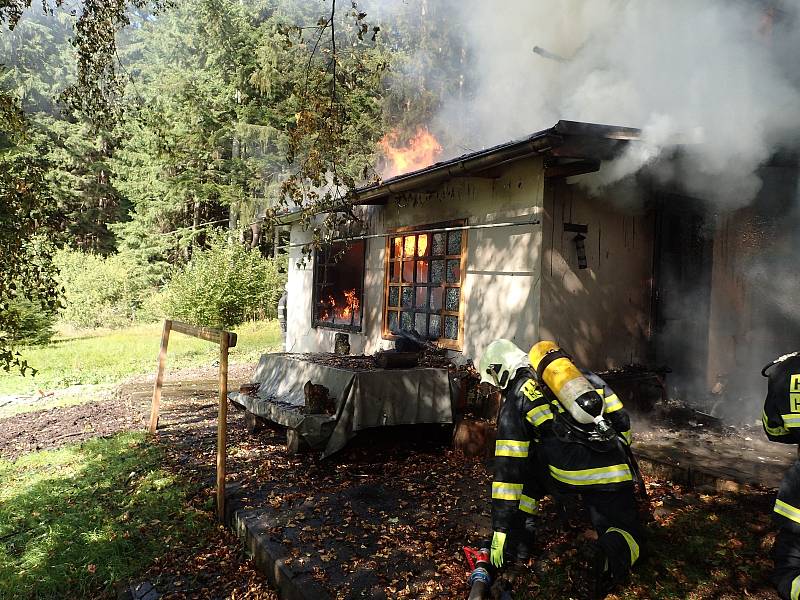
x=225, y=285
x=29, y=324
x=101, y=292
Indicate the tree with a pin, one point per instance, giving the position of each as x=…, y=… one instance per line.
x=25, y=216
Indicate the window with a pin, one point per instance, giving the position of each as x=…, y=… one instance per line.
x=339, y=286
x=424, y=272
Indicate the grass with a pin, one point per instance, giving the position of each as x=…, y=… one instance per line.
x=108, y=356
x=75, y=521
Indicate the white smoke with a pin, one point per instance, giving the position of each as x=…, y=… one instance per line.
x=707, y=76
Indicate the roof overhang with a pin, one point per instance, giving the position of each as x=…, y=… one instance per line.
x=575, y=147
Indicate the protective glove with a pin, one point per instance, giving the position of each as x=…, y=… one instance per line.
x=498, y=543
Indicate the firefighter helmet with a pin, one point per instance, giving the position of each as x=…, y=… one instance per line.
x=500, y=362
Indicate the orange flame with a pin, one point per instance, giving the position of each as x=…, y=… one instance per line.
x=344, y=313
x=421, y=151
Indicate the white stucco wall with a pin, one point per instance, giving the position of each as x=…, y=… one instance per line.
x=501, y=286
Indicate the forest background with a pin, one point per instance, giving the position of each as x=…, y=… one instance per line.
x=135, y=188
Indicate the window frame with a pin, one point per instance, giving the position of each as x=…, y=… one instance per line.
x=450, y=344
x=316, y=286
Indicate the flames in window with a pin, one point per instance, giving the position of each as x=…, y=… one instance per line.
x=345, y=311
x=339, y=285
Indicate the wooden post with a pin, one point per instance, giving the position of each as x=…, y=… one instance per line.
x=226, y=341
x=162, y=363
x=222, y=424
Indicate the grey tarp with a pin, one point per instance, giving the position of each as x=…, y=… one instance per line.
x=364, y=398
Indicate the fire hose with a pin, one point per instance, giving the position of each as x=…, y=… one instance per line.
x=482, y=574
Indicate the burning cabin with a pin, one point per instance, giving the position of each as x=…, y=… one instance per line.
x=504, y=242
x=491, y=244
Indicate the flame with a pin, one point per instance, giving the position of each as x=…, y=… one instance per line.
x=340, y=313
x=421, y=151
x=351, y=304
x=422, y=244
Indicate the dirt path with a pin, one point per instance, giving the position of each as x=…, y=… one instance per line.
x=126, y=408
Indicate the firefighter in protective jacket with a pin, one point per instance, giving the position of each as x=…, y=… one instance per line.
x=781, y=420
x=551, y=443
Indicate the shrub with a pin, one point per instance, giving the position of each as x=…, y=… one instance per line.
x=29, y=324
x=101, y=292
x=224, y=285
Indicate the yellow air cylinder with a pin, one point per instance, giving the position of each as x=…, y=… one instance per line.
x=572, y=389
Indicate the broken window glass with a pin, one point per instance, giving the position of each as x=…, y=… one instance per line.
x=408, y=271
x=422, y=271
x=408, y=297
x=420, y=324
x=451, y=299
x=451, y=328
x=453, y=271
x=436, y=298
x=422, y=297
x=435, y=329
x=438, y=244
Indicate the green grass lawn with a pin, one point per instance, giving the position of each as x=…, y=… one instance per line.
x=107, y=356
x=75, y=521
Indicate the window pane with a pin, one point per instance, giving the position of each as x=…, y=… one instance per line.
x=437, y=271
x=454, y=242
x=422, y=271
x=451, y=299
x=392, y=320
x=394, y=296
x=438, y=244
x=421, y=324
x=410, y=244
x=422, y=244
x=408, y=297
x=422, y=297
x=397, y=247
x=394, y=272
x=436, y=298
x=406, y=321
x=408, y=271
x=435, y=329
x=453, y=271
x=451, y=328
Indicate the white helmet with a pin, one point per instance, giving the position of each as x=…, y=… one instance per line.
x=500, y=363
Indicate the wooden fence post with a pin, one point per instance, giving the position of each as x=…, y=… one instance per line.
x=162, y=363
x=222, y=424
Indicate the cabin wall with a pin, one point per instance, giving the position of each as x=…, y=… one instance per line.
x=600, y=314
x=503, y=265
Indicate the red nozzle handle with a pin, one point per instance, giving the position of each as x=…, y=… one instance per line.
x=474, y=555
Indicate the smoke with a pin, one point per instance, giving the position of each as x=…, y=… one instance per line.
x=710, y=77
x=715, y=89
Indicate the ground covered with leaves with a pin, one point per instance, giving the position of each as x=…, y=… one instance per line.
x=385, y=518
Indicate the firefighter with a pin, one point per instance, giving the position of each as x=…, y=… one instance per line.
x=781, y=420
x=551, y=443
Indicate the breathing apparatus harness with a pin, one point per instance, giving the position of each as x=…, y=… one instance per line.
x=598, y=435
x=778, y=360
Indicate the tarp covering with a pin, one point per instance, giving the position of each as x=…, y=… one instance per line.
x=373, y=398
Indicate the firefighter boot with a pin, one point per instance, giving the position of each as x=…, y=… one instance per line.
x=595, y=580
x=527, y=540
